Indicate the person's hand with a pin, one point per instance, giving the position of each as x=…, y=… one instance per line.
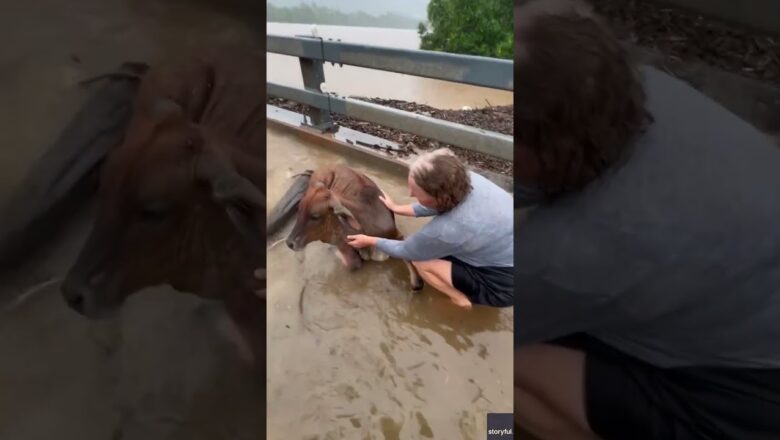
x=391, y=205
x=360, y=241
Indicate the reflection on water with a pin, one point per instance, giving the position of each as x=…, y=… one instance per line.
x=357, y=81
x=362, y=356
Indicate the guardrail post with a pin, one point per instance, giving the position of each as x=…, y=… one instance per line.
x=313, y=52
x=313, y=76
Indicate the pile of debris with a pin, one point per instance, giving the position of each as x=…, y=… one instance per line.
x=493, y=118
x=678, y=35
x=685, y=36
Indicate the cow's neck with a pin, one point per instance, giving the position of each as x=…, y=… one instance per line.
x=251, y=167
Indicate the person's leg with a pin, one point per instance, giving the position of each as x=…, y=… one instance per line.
x=534, y=417
x=550, y=392
x=438, y=274
x=414, y=277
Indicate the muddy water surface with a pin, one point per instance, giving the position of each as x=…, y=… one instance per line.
x=357, y=81
x=362, y=357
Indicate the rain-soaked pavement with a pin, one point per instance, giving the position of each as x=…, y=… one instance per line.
x=164, y=368
x=364, y=357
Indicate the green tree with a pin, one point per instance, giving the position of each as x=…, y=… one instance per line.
x=482, y=28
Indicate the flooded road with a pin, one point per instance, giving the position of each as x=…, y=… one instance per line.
x=357, y=81
x=164, y=368
x=365, y=357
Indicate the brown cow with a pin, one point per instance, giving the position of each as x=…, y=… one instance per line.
x=341, y=201
x=181, y=200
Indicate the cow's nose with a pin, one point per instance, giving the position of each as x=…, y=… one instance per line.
x=75, y=296
x=290, y=244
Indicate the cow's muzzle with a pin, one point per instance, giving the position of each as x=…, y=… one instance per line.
x=83, y=298
x=294, y=243
x=75, y=296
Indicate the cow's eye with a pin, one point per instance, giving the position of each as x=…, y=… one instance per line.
x=315, y=216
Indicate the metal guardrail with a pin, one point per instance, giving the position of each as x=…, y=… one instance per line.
x=488, y=142
x=473, y=70
x=467, y=69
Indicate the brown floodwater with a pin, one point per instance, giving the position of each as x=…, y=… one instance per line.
x=366, y=358
x=357, y=81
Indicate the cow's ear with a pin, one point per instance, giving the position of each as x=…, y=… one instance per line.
x=244, y=203
x=320, y=185
x=344, y=214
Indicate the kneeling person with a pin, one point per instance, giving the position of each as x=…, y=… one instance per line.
x=466, y=250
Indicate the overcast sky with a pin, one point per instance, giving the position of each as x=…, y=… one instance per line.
x=411, y=8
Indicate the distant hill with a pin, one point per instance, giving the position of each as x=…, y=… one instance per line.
x=315, y=14
x=415, y=9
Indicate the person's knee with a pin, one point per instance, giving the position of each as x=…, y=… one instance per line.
x=423, y=268
x=536, y=363
x=423, y=271
x=427, y=266
x=429, y=271
x=554, y=375
x=526, y=373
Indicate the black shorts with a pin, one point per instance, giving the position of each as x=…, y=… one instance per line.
x=626, y=398
x=489, y=286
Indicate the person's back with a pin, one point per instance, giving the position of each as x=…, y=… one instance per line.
x=648, y=271
x=691, y=217
x=479, y=242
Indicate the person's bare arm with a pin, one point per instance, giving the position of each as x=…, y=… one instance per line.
x=405, y=210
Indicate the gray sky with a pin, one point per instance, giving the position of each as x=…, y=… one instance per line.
x=411, y=8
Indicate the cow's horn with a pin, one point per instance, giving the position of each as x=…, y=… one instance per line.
x=241, y=198
x=225, y=182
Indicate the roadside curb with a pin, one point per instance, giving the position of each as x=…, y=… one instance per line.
x=280, y=118
x=753, y=100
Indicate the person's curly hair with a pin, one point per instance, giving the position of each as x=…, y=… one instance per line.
x=579, y=101
x=443, y=176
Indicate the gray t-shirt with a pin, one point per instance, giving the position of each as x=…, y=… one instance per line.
x=479, y=231
x=672, y=257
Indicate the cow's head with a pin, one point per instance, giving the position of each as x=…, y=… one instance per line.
x=321, y=217
x=172, y=209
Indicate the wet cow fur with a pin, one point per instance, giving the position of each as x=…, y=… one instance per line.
x=181, y=199
x=340, y=201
